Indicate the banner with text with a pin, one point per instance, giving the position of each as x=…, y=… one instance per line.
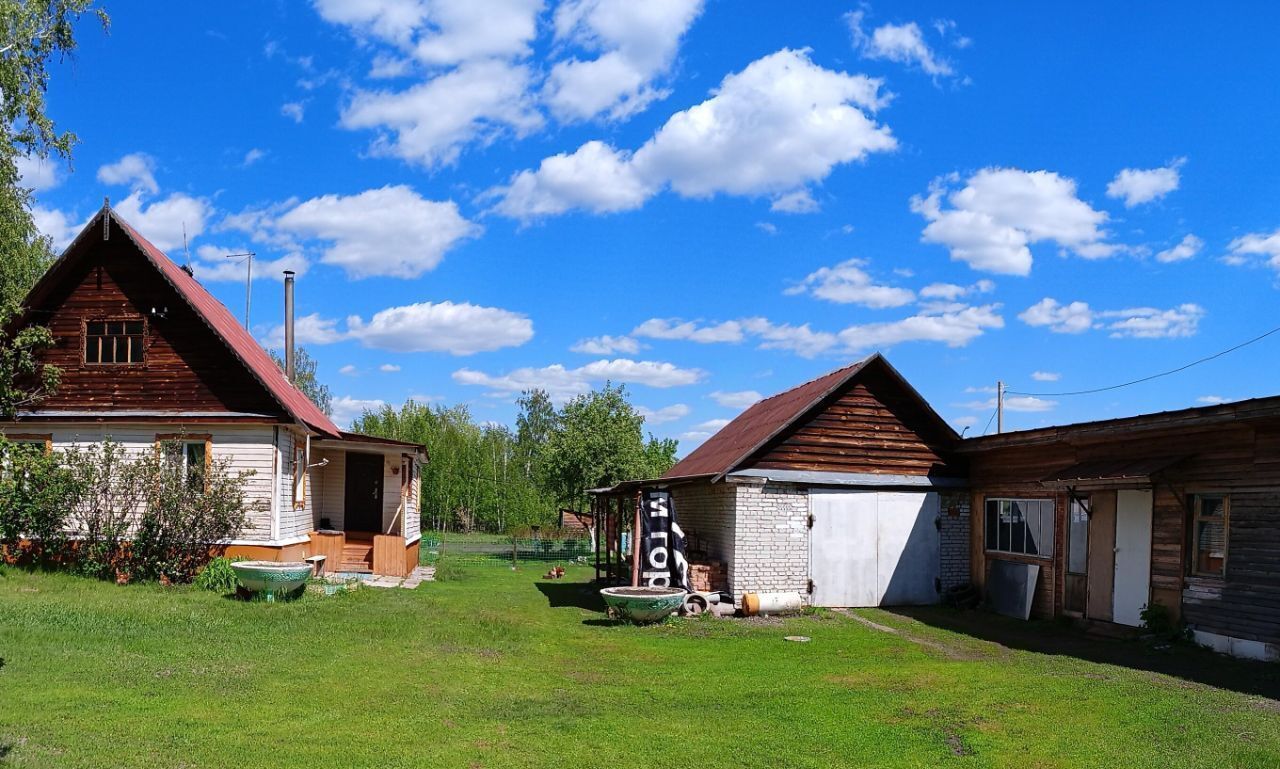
x=662, y=558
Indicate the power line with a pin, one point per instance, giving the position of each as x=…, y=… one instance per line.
x=1206, y=359
x=993, y=416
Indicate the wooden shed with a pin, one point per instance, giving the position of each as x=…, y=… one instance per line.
x=1180, y=509
x=844, y=489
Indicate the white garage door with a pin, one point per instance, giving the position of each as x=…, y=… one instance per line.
x=873, y=548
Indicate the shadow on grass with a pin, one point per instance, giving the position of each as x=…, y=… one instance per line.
x=1183, y=661
x=563, y=593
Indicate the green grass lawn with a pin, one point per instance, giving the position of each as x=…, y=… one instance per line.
x=499, y=669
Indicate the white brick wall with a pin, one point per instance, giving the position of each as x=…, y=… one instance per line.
x=771, y=528
x=954, y=539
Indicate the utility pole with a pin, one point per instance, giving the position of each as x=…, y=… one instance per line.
x=999, y=407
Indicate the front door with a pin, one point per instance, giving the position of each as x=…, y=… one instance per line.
x=1132, y=587
x=363, y=496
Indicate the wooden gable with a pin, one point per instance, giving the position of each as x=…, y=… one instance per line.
x=875, y=423
x=185, y=366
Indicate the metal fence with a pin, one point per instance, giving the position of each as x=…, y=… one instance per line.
x=506, y=552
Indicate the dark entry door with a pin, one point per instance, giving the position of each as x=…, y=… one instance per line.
x=363, y=497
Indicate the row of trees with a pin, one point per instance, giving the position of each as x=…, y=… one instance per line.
x=489, y=477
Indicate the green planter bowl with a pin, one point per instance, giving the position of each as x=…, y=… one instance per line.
x=272, y=578
x=643, y=604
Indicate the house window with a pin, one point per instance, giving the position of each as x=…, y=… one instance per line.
x=189, y=455
x=1078, y=536
x=109, y=342
x=1210, y=513
x=299, y=477
x=1020, y=526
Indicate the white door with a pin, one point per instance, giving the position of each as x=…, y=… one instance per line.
x=870, y=548
x=842, y=550
x=1132, y=587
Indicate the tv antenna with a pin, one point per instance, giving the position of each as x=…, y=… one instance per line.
x=247, y=258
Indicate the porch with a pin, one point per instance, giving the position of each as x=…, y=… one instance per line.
x=363, y=505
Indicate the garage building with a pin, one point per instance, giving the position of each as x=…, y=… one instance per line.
x=845, y=489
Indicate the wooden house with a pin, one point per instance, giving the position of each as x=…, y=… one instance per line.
x=844, y=489
x=850, y=490
x=148, y=355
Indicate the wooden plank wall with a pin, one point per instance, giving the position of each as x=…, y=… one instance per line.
x=875, y=427
x=1241, y=459
x=186, y=367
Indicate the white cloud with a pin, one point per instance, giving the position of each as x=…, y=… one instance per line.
x=36, y=173
x=674, y=328
x=636, y=41
x=59, y=226
x=163, y=221
x=663, y=415
x=1000, y=212
x=900, y=43
x=1022, y=403
x=595, y=178
x=963, y=422
x=768, y=228
x=736, y=400
x=253, y=156
x=1186, y=248
x=459, y=329
x=294, y=110
x=607, y=345
x=950, y=292
x=390, y=231
x=848, y=283
x=347, y=409
x=952, y=324
x=1045, y=376
x=431, y=122
x=1212, y=400
x=801, y=340
x=1152, y=323
x=562, y=383
x=441, y=32
x=1073, y=318
x=1248, y=248
x=711, y=425
x=795, y=202
x=349, y=370
x=388, y=368
x=1136, y=186
x=777, y=126
x=1133, y=322
x=135, y=170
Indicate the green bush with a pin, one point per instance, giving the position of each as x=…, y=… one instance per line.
x=1157, y=619
x=35, y=490
x=217, y=576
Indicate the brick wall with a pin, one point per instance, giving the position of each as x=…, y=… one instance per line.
x=772, y=530
x=705, y=513
x=954, y=543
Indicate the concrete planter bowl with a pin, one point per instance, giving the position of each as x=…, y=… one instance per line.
x=643, y=605
x=272, y=579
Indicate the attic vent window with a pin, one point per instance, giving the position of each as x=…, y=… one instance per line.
x=109, y=342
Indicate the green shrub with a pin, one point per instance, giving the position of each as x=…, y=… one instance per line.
x=1157, y=619
x=217, y=576
x=34, y=492
x=448, y=571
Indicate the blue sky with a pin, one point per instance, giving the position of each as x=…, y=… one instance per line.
x=705, y=200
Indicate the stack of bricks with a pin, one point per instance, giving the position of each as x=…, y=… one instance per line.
x=712, y=576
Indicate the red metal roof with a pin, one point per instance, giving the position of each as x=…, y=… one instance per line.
x=235, y=336
x=736, y=441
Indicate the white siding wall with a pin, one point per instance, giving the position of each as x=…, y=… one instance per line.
x=247, y=447
x=294, y=521
x=413, y=515
x=333, y=484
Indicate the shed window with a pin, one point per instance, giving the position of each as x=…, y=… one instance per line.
x=114, y=341
x=1210, y=513
x=1020, y=526
x=1078, y=536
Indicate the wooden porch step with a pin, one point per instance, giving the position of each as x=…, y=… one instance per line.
x=357, y=557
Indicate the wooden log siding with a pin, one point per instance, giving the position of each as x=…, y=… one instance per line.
x=1241, y=459
x=186, y=367
x=872, y=428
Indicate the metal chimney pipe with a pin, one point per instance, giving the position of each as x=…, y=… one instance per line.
x=288, y=324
